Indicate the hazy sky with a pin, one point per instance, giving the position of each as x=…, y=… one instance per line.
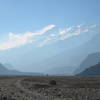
x=43, y=22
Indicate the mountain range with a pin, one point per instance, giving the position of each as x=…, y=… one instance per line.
x=6, y=71
x=89, y=67
x=90, y=60
x=91, y=71
x=68, y=62
x=74, y=57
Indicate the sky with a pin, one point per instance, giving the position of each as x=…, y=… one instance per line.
x=41, y=26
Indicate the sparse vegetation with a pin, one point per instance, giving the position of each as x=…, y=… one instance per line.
x=53, y=82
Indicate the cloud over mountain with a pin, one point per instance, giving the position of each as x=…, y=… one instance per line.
x=19, y=39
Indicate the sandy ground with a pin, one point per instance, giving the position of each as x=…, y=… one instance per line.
x=39, y=88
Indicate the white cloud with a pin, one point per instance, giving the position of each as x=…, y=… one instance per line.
x=48, y=40
x=74, y=31
x=66, y=33
x=44, y=30
x=16, y=39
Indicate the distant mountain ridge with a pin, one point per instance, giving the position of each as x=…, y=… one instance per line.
x=6, y=71
x=91, y=71
x=90, y=60
x=75, y=56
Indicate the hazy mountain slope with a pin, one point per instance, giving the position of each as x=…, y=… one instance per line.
x=74, y=56
x=6, y=71
x=30, y=58
x=3, y=69
x=90, y=60
x=92, y=71
x=8, y=66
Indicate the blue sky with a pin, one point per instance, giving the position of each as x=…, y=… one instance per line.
x=24, y=15
x=37, y=24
